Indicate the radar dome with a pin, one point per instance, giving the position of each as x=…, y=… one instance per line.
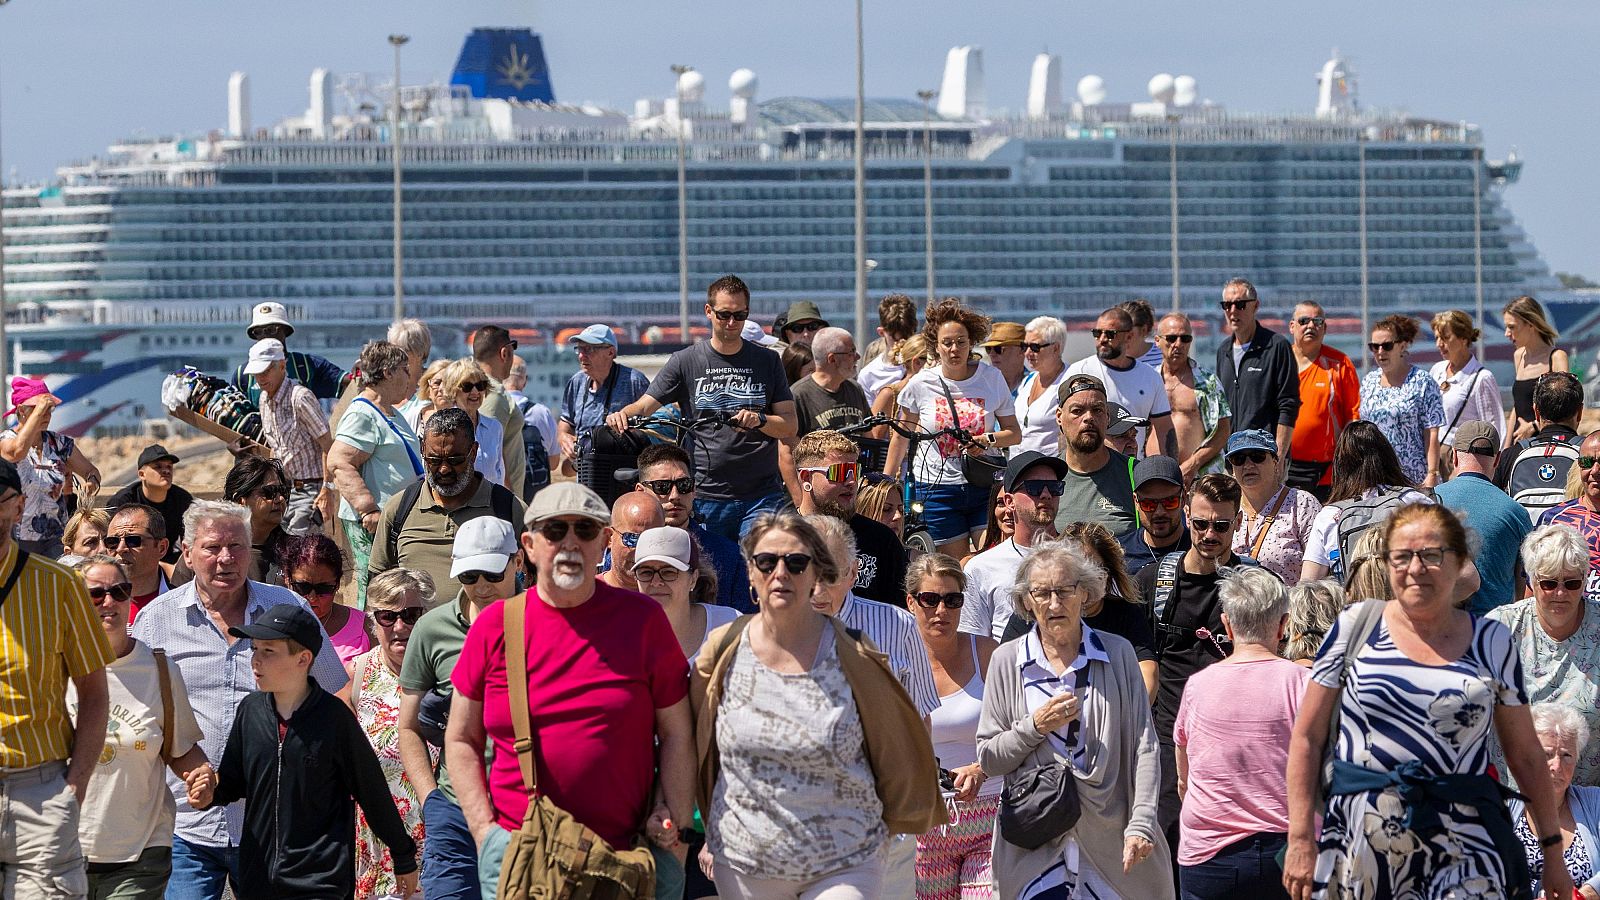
x=1185, y=90
x=1161, y=88
x=743, y=83
x=692, y=87
x=1091, y=90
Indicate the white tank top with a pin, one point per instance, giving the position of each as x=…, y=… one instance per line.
x=955, y=725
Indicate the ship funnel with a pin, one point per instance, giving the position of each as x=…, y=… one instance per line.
x=743, y=84
x=1336, y=89
x=961, y=95
x=320, y=115
x=238, y=105
x=1044, y=87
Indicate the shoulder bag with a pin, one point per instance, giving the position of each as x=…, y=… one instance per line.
x=1366, y=620
x=984, y=470
x=1039, y=805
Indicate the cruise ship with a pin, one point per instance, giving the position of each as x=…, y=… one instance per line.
x=544, y=216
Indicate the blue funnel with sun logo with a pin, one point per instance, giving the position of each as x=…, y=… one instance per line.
x=504, y=64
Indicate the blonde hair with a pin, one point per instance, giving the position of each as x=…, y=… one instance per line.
x=434, y=370
x=1366, y=575
x=390, y=588
x=1528, y=310
x=914, y=347
x=1455, y=323
x=460, y=372
x=91, y=516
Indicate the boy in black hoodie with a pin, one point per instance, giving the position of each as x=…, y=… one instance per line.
x=300, y=761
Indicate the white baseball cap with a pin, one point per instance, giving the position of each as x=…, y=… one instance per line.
x=665, y=544
x=268, y=314
x=263, y=354
x=753, y=333
x=484, y=544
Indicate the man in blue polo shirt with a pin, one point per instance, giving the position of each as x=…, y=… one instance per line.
x=1498, y=519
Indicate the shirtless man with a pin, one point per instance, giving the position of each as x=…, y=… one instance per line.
x=1200, y=417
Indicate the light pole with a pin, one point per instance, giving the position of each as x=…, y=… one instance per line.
x=5, y=348
x=861, y=178
x=683, y=212
x=1172, y=167
x=1361, y=201
x=927, y=181
x=398, y=40
x=1477, y=231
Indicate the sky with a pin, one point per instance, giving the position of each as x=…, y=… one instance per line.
x=75, y=75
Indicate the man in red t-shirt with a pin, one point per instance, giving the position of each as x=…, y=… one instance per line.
x=606, y=681
x=1330, y=399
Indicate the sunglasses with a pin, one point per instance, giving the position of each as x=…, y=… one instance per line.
x=932, y=599
x=665, y=575
x=767, y=563
x=1107, y=333
x=134, y=541
x=454, y=460
x=837, y=473
x=1167, y=503
x=1216, y=526
x=387, y=617
x=630, y=539
x=1545, y=584
x=1255, y=457
x=805, y=327
x=1178, y=338
x=731, y=315
x=1375, y=346
x=119, y=592
x=1234, y=304
x=555, y=530
x=1038, y=487
x=1587, y=462
x=275, y=492
x=315, y=588
x=474, y=387
x=1033, y=347
x=1312, y=321
x=663, y=487
x=472, y=577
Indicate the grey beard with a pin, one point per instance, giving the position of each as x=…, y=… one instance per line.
x=564, y=580
x=456, y=490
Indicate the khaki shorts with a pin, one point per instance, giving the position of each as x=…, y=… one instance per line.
x=40, y=858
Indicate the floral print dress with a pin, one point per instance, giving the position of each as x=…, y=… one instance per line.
x=44, y=481
x=378, y=711
x=1394, y=711
x=1401, y=413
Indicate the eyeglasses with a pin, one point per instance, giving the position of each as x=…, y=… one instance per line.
x=555, y=530
x=472, y=577
x=474, y=387
x=1107, y=333
x=1545, y=584
x=1254, y=457
x=932, y=599
x=119, y=592
x=805, y=327
x=630, y=539
x=837, y=473
x=1178, y=338
x=1587, y=462
x=1432, y=557
x=134, y=541
x=454, y=460
x=1234, y=304
x=1038, y=487
x=665, y=574
x=1050, y=594
x=1034, y=347
x=315, y=588
x=273, y=492
x=1385, y=346
x=387, y=617
x=767, y=563
x=1167, y=503
x=956, y=344
x=663, y=487
x=1311, y=321
x=587, y=349
x=1216, y=526
x=731, y=315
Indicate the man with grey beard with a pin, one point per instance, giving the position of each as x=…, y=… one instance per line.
x=418, y=527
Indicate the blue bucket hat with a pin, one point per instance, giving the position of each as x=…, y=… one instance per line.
x=1252, y=439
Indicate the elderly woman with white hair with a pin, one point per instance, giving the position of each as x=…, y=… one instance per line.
x=1564, y=734
x=1557, y=631
x=1232, y=735
x=1065, y=696
x=1043, y=343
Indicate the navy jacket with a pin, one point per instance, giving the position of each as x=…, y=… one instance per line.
x=1265, y=392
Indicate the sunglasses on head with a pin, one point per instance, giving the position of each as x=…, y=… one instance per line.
x=1385, y=346
x=1036, y=347
x=1217, y=526
x=273, y=492
x=767, y=563
x=1256, y=457
x=1038, y=487
x=119, y=592
x=474, y=387
x=1312, y=321
x=731, y=315
x=1167, y=503
x=837, y=473
x=555, y=530
x=387, y=617
x=472, y=577
x=315, y=588
x=1234, y=304
x=663, y=487
x=932, y=599
x=1178, y=338
x=113, y=541
x=454, y=460
x=1107, y=333
x=1571, y=584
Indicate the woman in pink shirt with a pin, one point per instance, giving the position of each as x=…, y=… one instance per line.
x=1232, y=735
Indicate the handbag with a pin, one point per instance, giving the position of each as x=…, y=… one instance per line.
x=984, y=470
x=1039, y=805
x=554, y=855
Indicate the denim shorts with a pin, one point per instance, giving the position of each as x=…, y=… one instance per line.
x=953, y=510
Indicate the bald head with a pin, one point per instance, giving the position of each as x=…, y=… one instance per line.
x=633, y=514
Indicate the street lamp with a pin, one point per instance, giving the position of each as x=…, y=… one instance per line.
x=5, y=355
x=1477, y=231
x=861, y=178
x=927, y=182
x=1172, y=174
x=683, y=212
x=1361, y=225
x=397, y=40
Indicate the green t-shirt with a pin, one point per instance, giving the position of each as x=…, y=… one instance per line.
x=431, y=655
x=1105, y=496
x=390, y=465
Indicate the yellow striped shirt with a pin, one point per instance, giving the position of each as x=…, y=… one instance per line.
x=49, y=632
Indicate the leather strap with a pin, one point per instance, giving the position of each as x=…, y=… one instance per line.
x=11, y=580
x=516, y=610
x=166, y=704
x=1266, y=523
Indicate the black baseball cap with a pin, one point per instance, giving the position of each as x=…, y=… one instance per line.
x=155, y=453
x=1026, y=460
x=9, y=478
x=284, y=622
x=1157, y=468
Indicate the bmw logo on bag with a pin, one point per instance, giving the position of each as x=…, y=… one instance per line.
x=1547, y=472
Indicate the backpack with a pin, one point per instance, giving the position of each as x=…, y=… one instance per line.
x=499, y=504
x=1356, y=516
x=1538, y=476
x=537, y=470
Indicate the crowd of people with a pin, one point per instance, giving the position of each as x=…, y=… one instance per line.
x=948, y=615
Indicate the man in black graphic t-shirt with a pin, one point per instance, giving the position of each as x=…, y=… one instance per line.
x=828, y=466
x=736, y=463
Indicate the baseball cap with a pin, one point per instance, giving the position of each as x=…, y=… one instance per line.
x=1477, y=437
x=484, y=544
x=268, y=314
x=1026, y=460
x=263, y=354
x=566, y=498
x=155, y=453
x=24, y=389
x=1122, y=421
x=1077, y=384
x=753, y=333
x=284, y=622
x=801, y=311
x=1157, y=468
x=594, y=336
x=9, y=477
x=665, y=544
x=1251, y=439
x=1005, y=334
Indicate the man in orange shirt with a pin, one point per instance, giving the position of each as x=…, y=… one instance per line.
x=1330, y=398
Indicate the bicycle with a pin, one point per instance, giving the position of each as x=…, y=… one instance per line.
x=916, y=536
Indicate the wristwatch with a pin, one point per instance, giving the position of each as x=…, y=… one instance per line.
x=761, y=420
